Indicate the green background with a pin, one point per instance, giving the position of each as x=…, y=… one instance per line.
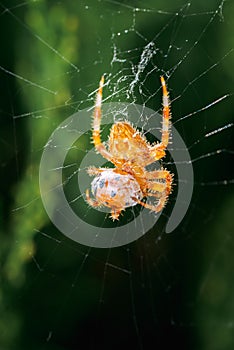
x=162, y=290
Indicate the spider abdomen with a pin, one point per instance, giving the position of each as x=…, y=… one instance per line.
x=116, y=190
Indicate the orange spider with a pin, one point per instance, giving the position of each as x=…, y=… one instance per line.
x=129, y=182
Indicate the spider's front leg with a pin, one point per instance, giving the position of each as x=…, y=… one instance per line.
x=166, y=115
x=97, y=122
x=158, y=151
x=96, y=135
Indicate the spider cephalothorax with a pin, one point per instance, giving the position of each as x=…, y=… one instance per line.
x=129, y=182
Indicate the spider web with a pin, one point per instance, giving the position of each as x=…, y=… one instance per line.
x=161, y=288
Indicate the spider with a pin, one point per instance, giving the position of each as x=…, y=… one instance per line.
x=129, y=182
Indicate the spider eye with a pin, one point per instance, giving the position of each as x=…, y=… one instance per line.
x=113, y=193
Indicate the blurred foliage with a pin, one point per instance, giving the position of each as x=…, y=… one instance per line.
x=61, y=26
x=55, y=305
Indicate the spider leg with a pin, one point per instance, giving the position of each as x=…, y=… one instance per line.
x=92, y=171
x=166, y=115
x=160, y=174
x=156, y=208
x=161, y=189
x=96, y=136
x=156, y=186
x=154, y=194
x=158, y=151
x=91, y=201
x=115, y=214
